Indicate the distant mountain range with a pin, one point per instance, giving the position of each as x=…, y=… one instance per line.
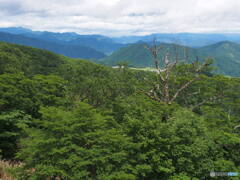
x=226, y=56
x=187, y=39
x=74, y=51
x=224, y=48
x=109, y=44
x=98, y=42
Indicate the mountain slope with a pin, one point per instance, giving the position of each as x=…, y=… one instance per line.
x=51, y=36
x=75, y=51
x=97, y=42
x=138, y=56
x=15, y=30
x=17, y=58
x=225, y=49
x=32, y=61
x=226, y=55
x=100, y=43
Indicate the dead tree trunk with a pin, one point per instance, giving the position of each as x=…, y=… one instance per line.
x=161, y=91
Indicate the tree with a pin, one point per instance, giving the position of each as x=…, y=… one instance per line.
x=77, y=144
x=184, y=147
x=161, y=90
x=11, y=127
x=18, y=92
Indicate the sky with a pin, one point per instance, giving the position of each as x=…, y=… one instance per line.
x=122, y=17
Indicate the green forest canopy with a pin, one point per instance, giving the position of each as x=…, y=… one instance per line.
x=74, y=119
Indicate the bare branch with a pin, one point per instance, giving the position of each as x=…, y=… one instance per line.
x=184, y=86
x=237, y=127
x=151, y=94
x=149, y=82
x=163, y=75
x=154, y=52
x=211, y=99
x=201, y=67
x=166, y=60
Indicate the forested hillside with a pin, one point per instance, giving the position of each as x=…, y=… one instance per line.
x=225, y=55
x=64, y=118
x=138, y=56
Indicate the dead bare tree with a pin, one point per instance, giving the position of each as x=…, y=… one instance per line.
x=161, y=91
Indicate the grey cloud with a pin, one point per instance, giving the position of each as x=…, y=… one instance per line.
x=136, y=14
x=12, y=7
x=122, y=17
x=18, y=8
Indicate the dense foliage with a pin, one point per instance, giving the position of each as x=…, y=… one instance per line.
x=73, y=119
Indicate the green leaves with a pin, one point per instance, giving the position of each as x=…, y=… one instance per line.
x=74, y=144
x=11, y=127
x=19, y=92
x=90, y=121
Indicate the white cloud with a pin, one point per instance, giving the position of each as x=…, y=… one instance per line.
x=122, y=17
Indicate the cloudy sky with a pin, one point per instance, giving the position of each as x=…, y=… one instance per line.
x=122, y=17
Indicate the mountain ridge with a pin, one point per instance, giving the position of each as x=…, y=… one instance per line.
x=183, y=38
x=100, y=43
x=225, y=54
x=74, y=51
